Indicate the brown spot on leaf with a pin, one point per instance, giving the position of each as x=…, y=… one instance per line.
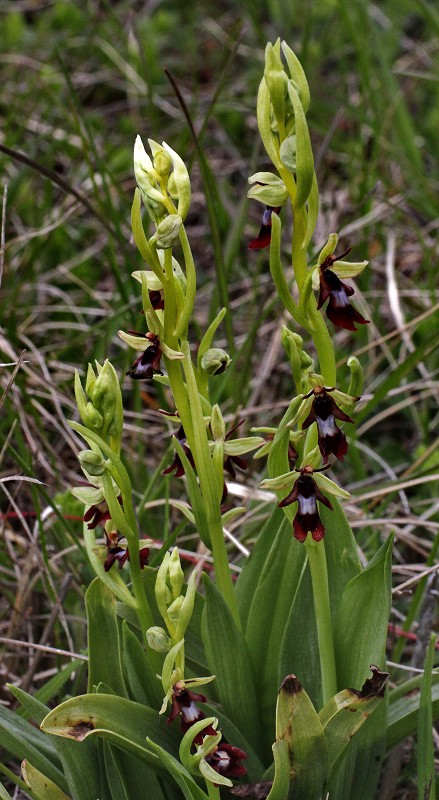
x=291, y=685
x=374, y=686
x=80, y=729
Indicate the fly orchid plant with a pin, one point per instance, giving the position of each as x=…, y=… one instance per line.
x=304, y=615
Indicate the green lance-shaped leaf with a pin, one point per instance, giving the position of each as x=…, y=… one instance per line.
x=341, y=552
x=4, y=794
x=190, y=790
x=228, y=659
x=404, y=708
x=140, y=677
x=104, y=665
x=43, y=788
x=128, y=777
x=80, y=765
x=361, y=624
x=425, y=749
x=22, y=740
x=298, y=726
x=304, y=156
x=116, y=719
x=339, y=726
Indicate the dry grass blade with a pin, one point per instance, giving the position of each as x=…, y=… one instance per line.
x=12, y=378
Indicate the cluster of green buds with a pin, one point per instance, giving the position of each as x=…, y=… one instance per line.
x=163, y=177
x=100, y=404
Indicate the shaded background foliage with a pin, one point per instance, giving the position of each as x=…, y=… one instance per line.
x=79, y=81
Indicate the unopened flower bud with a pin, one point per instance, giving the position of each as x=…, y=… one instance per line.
x=215, y=361
x=92, y=418
x=158, y=639
x=217, y=424
x=181, y=181
x=90, y=380
x=147, y=179
x=106, y=398
x=93, y=463
x=161, y=159
x=168, y=231
x=175, y=573
x=175, y=608
x=267, y=189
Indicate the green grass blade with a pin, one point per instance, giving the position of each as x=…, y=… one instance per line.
x=425, y=749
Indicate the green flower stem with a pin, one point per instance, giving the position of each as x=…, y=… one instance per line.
x=191, y=285
x=120, y=475
x=213, y=791
x=188, y=404
x=319, y=576
x=317, y=329
x=169, y=298
x=316, y=326
x=206, y=476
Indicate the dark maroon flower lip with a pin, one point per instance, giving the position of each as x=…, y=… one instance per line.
x=263, y=238
x=324, y=412
x=339, y=309
x=148, y=364
x=156, y=298
x=98, y=514
x=226, y=760
x=120, y=553
x=306, y=493
x=184, y=704
x=176, y=465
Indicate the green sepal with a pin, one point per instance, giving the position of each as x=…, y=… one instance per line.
x=275, y=78
x=148, y=253
x=269, y=139
x=297, y=74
